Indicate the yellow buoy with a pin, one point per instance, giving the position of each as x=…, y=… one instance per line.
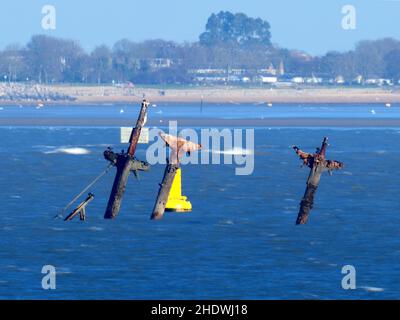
x=176, y=201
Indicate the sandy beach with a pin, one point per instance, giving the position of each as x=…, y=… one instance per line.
x=72, y=94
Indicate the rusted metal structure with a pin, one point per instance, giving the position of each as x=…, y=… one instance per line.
x=318, y=165
x=81, y=209
x=179, y=147
x=125, y=162
x=163, y=193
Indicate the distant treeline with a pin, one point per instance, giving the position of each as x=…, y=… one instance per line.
x=230, y=41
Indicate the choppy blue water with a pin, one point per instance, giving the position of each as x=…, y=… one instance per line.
x=218, y=111
x=240, y=241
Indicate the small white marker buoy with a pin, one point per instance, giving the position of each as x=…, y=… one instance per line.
x=121, y=111
x=388, y=105
x=269, y=104
x=373, y=111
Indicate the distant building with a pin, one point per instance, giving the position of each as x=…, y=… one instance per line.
x=210, y=75
x=211, y=79
x=207, y=71
x=237, y=72
x=271, y=71
x=313, y=80
x=379, y=82
x=358, y=79
x=160, y=63
x=298, y=80
x=339, y=80
x=233, y=78
x=267, y=80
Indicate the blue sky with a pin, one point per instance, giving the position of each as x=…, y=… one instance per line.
x=310, y=25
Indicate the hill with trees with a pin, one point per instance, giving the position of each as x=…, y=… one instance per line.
x=230, y=42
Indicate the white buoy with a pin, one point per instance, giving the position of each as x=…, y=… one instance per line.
x=373, y=111
x=121, y=111
x=388, y=105
x=269, y=104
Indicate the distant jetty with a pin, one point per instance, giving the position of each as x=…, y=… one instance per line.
x=25, y=93
x=15, y=93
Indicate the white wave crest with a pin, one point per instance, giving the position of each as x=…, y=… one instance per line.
x=233, y=152
x=74, y=151
x=373, y=289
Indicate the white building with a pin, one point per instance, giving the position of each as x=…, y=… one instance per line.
x=379, y=82
x=298, y=80
x=339, y=80
x=208, y=71
x=313, y=80
x=268, y=80
x=358, y=79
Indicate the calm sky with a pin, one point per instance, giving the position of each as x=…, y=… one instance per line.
x=310, y=25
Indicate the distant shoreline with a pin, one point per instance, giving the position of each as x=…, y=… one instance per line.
x=102, y=95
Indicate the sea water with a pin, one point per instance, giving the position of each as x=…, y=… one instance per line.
x=239, y=242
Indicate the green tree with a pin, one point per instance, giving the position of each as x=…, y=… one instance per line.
x=13, y=63
x=237, y=29
x=53, y=60
x=392, y=60
x=101, y=60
